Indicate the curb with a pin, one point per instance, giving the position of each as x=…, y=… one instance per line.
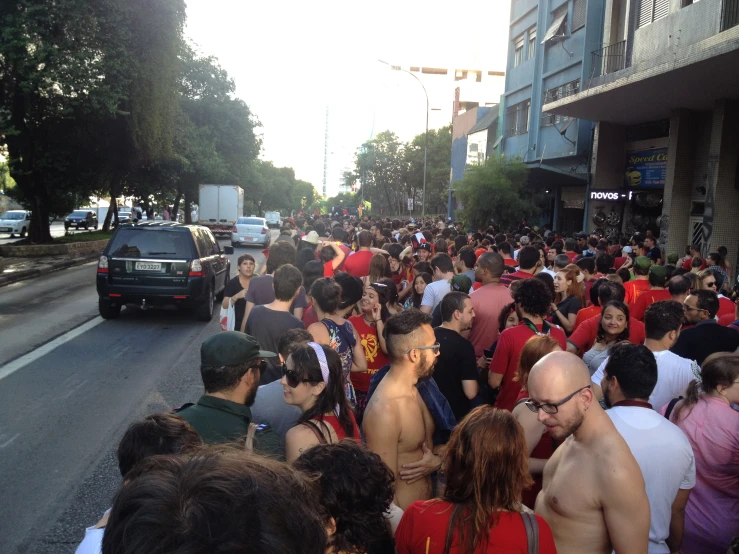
x=43, y=270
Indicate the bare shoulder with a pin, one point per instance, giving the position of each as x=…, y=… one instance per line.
x=381, y=409
x=317, y=329
x=616, y=465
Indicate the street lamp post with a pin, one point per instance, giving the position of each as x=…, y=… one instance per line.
x=426, y=139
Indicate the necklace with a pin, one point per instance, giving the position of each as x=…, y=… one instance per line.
x=371, y=323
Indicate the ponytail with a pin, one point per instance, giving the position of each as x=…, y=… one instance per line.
x=692, y=395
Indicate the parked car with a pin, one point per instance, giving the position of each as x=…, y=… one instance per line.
x=162, y=263
x=81, y=218
x=251, y=230
x=274, y=219
x=15, y=222
x=124, y=215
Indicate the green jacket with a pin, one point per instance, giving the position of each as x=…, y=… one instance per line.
x=217, y=420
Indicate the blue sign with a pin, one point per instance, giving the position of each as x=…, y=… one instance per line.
x=646, y=168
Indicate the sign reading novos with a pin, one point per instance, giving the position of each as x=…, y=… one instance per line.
x=612, y=195
x=646, y=168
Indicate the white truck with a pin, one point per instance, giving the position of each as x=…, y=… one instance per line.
x=274, y=219
x=219, y=207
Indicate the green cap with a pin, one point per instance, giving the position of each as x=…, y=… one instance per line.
x=231, y=348
x=642, y=262
x=658, y=271
x=672, y=258
x=461, y=283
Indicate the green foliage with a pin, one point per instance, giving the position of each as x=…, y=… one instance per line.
x=495, y=190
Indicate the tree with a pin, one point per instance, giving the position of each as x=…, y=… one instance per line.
x=383, y=167
x=495, y=191
x=439, y=160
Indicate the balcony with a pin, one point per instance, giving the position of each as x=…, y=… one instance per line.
x=609, y=59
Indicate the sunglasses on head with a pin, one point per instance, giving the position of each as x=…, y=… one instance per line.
x=292, y=377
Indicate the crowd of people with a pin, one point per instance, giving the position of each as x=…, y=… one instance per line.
x=418, y=387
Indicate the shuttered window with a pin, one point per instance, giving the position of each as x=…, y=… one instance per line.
x=652, y=10
x=661, y=9
x=578, y=14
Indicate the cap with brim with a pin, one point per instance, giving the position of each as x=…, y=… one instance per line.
x=461, y=283
x=582, y=235
x=627, y=250
x=642, y=262
x=231, y=348
x=410, y=226
x=424, y=246
x=672, y=258
x=312, y=238
x=658, y=271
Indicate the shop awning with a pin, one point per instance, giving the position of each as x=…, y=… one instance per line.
x=548, y=176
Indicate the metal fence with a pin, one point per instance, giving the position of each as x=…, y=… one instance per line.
x=611, y=58
x=729, y=14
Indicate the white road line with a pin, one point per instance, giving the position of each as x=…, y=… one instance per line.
x=75, y=389
x=11, y=440
x=43, y=350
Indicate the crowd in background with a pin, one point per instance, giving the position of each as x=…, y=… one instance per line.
x=420, y=387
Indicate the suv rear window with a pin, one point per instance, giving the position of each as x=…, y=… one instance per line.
x=249, y=221
x=159, y=243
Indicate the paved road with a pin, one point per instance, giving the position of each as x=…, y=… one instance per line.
x=62, y=414
x=57, y=230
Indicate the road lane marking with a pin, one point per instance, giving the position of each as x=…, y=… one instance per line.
x=7, y=443
x=75, y=389
x=43, y=350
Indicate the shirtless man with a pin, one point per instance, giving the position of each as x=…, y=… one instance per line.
x=593, y=496
x=397, y=423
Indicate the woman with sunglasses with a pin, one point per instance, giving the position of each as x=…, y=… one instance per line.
x=370, y=325
x=714, y=281
x=613, y=328
x=486, y=470
x=313, y=381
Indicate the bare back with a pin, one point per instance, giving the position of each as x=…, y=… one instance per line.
x=396, y=424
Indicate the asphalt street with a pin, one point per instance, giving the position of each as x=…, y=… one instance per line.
x=62, y=414
x=57, y=230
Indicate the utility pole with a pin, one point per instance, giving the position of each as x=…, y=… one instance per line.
x=325, y=155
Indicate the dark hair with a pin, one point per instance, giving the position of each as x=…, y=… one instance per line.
x=280, y=253
x=493, y=262
x=442, y=262
x=207, y=503
x=320, y=228
x=308, y=367
x=312, y=271
x=594, y=291
x=610, y=291
x=657, y=280
x=225, y=377
x=338, y=233
x=364, y=239
x=245, y=258
x=452, y=302
x=287, y=281
x=707, y=300
x=586, y=264
x=570, y=244
x=547, y=279
x=534, y=297
x=624, y=274
x=395, y=250
x=558, y=245
x=327, y=294
x=357, y=489
x=392, y=290
x=487, y=468
x=378, y=268
x=422, y=267
x=415, y=297
x=352, y=289
x=528, y=256
x=503, y=315
x=662, y=317
x=678, y=285
x=382, y=294
x=290, y=339
x=561, y=261
x=468, y=257
x=304, y=256
x=624, y=335
x=155, y=434
x=720, y=368
x=460, y=241
x=402, y=328
x=635, y=368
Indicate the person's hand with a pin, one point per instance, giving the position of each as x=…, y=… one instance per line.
x=483, y=362
x=415, y=471
x=404, y=284
x=376, y=310
x=628, y=263
x=554, y=307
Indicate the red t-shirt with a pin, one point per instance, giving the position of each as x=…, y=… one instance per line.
x=423, y=529
x=688, y=264
x=358, y=263
x=647, y=299
x=585, y=314
x=505, y=360
x=510, y=262
x=309, y=316
x=571, y=256
x=725, y=307
x=376, y=358
x=508, y=278
x=634, y=289
x=584, y=336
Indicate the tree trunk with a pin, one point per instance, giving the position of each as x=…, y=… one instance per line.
x=188, y=206
x=39, y=231
x=176, y=205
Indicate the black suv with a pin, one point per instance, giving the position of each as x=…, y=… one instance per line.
x=81, y=218
x=160, y=263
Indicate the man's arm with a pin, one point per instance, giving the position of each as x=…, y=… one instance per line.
x=249, y=306
x=382, y=432
x=625, y=504
x=340, y=255
x=470, y=388
x=677, y=520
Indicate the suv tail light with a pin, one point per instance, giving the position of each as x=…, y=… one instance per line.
x=196, y=269
x=103, y=264
x=264, y=230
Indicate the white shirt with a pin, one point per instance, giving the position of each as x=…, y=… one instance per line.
x=666, y=460
x=674, y=374
x=435, y=292
x=93, y=541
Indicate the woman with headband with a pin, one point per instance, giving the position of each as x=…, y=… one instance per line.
x=312, y=380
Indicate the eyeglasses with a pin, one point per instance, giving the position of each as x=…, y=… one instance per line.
x=711, y=284
x=551, y=409
x=435, y=347
x=292, y=378
x=689, y=307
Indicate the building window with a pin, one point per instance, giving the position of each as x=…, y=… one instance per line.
x=532, y=43
x=578, y=14
x=652, y=10
x=562, y=91
x=517, y=119
x=558, y=28
x=473, y=147
x=518, y=51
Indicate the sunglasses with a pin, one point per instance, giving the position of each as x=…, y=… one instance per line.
x=712, y=284
x=261, y=366
x=435, y=347
x=292, y=377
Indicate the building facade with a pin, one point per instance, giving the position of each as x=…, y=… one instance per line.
x=664, y=91
x=549, y=58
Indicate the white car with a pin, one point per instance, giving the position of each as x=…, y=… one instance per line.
x=15, y=222
x=274, y=219
x=250, y=230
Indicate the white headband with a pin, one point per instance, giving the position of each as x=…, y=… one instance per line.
x=321, y=355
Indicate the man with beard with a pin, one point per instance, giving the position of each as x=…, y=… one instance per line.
x=231, y=365
x=455, y=371
x=593, y=496
x=397, y=424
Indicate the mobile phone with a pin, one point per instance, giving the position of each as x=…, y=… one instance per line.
x=488, y=353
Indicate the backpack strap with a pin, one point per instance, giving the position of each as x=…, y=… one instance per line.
x=671, y=406
x=532, y=531
x=316, y=431
x=249, y=444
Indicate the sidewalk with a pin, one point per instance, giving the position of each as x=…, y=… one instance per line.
x=19, y=269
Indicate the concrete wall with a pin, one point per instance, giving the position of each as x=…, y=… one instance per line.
x=460, y=127
x=71, y=250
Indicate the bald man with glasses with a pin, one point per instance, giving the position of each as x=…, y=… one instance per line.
x=593, y=494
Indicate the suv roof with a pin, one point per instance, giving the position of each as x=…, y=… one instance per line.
x=158, y=224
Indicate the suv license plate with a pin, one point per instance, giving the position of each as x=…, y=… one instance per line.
x=147, y=266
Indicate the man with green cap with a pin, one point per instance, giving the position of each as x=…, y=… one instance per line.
x=640, y=283
x=658, y=282
x=231, y=364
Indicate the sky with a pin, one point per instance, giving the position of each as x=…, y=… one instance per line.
x=292, y=60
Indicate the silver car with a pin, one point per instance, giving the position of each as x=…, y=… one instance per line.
x=250, y=230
